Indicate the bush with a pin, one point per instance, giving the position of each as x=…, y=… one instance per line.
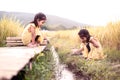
x=42, y=67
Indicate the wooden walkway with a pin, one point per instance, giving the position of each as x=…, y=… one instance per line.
x=13, y=59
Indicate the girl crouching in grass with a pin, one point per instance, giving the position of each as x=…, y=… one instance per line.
x=90, y=47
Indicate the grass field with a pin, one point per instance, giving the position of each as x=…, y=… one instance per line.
x=109, y=37
x=64, y=41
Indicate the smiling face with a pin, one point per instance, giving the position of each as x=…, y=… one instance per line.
x=39, y=19
x=83, y=39
x=84, y=35
x=41, y=22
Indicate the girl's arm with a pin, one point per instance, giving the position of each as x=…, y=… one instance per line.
x=77, y=51
x=95, y=43
x=32, y=30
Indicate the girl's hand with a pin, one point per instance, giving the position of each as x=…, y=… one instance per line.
x=32, y=45
x=75, y=52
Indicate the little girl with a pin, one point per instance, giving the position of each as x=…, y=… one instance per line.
x=31, y=35
x=90, y=47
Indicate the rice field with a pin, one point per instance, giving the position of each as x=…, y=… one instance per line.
x=65, y=40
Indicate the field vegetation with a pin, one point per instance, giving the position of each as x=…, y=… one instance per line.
x=64, y=41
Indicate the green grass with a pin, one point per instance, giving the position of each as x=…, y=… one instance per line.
x=64, y=41
x=113, y=55
x=42, y=66
x=109, y=37
x=92, y=69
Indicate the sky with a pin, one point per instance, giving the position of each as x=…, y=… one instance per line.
x=93, y=12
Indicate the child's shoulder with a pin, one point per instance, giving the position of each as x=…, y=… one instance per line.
x=31, y=24
x=93, y=38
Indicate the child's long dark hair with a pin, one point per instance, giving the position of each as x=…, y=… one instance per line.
x=38, y=16
x=85, y=33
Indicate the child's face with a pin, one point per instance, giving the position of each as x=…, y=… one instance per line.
x=83, y=39
x=40, y=23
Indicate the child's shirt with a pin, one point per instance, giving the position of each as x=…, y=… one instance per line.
x=26, y=35
x=95, y=53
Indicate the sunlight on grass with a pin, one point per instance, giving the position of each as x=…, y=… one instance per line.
x=65, y=40
x=109, y=37
x=9, y=27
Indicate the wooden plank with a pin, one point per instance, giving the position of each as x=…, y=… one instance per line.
x=13, y=59
x=14, y=44
x=14, y=38
x=13, y=41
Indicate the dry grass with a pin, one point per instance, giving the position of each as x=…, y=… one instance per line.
x=108, y=35
x=9, y=27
